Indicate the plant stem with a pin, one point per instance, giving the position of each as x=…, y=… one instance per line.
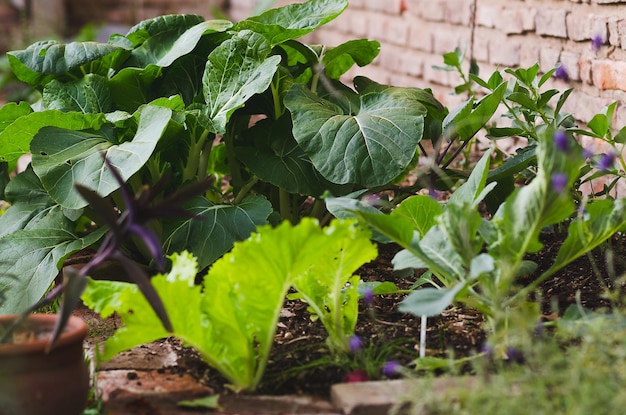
x=205, y=155
x=423, y=337
x=319, y=209
x=245, y=189
x=285, y=205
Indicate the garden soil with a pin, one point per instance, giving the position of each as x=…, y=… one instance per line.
x=301, y=365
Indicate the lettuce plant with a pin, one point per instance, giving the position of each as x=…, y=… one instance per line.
x=231, y=318
x=195, y=100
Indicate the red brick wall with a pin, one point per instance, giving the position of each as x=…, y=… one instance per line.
x=65, y=18
x=508, y=33
x=415, y=33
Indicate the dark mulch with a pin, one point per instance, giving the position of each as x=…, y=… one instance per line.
x=294, y=366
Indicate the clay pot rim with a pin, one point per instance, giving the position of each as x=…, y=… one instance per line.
x=75, y=331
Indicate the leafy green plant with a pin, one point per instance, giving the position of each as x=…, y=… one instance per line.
x=478, y=260
x=141, y=210
x=195, y=99
x=231, y=318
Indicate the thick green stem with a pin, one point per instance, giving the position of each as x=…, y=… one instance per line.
x=195, y=152
x=285, y=205
x=319, y=209
x=203, y=162
x=245, y=189
x=234, y=166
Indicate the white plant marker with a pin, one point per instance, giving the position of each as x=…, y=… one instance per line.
x=423, y=337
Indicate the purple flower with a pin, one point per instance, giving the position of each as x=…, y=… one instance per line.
x=433, y=193
x=559, y=182
x=514, y=355
x=391, y=368
x=596, y=42
x=587, y=152
x=355, y=343
x=368, y=295
x=487, y=350
x=561, y=140
x=561, y=73
x=606, y=161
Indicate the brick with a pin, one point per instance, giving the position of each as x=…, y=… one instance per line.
x=358, y=4
x=359, y=22
x=511, y=21
x=529, y=18
x=578, y=26
x=421, y=36
x=615, y=37
x=501, y=53
x=387, y=6
x=434, y=11
x=447, y=39
x=529, y=53
x=551, y=22
x=481, y=44
x=457, y=11
x=609, y=74
x=548, y=58
x=390, y=57
x=395, y=30
x=487, y=15
x=585, y=70
x=599, y=27
x=412, y=63
x=328, y=37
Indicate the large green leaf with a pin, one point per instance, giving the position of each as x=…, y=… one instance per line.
x=429, y=301
x=437, y=251
x=369, y=145
x=421, y=211
x=216, y=227
x=30, y=260
x=330, y=288
x=177, y=23
x=43, y=61
x=603, y=219
x=340, y=59
x=231, y=320
x=464, y=122
x=294, y=20
x=530, y=208
x=181, y=299
x=235, y=71
x=11, y=111
x=184, y=77
x=89, y=94
x=164, y=47
x=15, y=139
x=472, y=191
x=133, y=87
x=30, y=203
x=63, y=158
x=275, y=157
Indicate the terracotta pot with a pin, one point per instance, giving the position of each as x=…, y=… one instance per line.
x=33, y=382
